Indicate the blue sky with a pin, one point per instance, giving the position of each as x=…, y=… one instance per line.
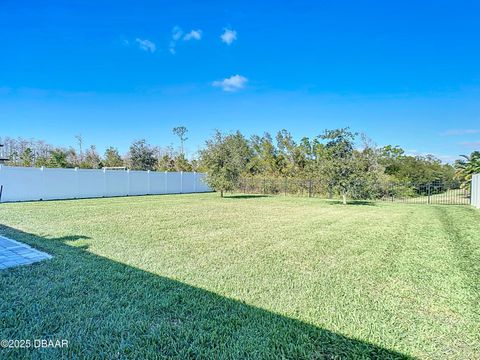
x=404, y=72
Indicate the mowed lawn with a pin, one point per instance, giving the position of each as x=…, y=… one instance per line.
x=197, y=276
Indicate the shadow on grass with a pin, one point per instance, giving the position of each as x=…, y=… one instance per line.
x=245, y=196
x=107, y=309
x=353, y=202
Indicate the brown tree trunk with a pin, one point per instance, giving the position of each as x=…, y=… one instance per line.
x=221, y=193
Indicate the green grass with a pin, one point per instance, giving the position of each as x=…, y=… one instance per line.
x=196, y=276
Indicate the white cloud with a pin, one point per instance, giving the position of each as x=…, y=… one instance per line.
x=193, y=35
x=231, y=84
x=146, y=45
x=177, y=34
x=228, y=36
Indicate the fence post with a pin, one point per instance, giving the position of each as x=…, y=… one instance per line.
x=42, y=169
x=77, y=180
x=166, y=185
x=310, y=188
x=148, y=182
x=181, y=182
x=104, y=182
x=194, y=181
x=286, y=185
x=128, y=182
x=264, y=186
x=429, y=191
x=1, y=185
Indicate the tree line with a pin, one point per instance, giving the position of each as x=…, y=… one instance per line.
x=343, y=162
x=140, y=156
x=346, y=162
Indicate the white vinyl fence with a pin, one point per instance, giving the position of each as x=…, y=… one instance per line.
x=26, y=183
x=475, y=194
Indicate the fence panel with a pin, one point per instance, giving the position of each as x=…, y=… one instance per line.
x=174, y=182
x=23, y=184
x=116, y=183
x=90, y=183
x=200, y=185
x=158, y=182
x=32, y=181
x=59, y=184
x=139, y=182
x=476, y=191
x=438, y=192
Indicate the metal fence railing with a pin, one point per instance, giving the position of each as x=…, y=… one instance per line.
x=438, y=192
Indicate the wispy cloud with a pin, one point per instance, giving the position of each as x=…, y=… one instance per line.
x=177, y=33
x=459, y=132
x=193, y=35
x=146, y=45
x=228, y=36
x=231, y=84
x=471, y=144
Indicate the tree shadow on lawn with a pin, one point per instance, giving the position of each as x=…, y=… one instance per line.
x=353, y=202
x=107, y=309
x=245, y=196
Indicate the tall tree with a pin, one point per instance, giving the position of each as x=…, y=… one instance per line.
x=225, y=157
x=80, y=147
x=112, y=157
x=166, y=163
x=141, y=156
x=27, y=157
x=339, y=160
x=58, y=158
x=181, y=132
x=181, y=163
x=92, y=159
x=264, y=158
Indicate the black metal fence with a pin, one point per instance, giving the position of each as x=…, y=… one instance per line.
x=438, y=192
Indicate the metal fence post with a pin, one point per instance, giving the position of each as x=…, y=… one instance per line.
x=429, y=191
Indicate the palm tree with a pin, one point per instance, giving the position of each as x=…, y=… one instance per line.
x=466, y=168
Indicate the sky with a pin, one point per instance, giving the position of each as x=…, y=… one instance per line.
x=406, y=73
